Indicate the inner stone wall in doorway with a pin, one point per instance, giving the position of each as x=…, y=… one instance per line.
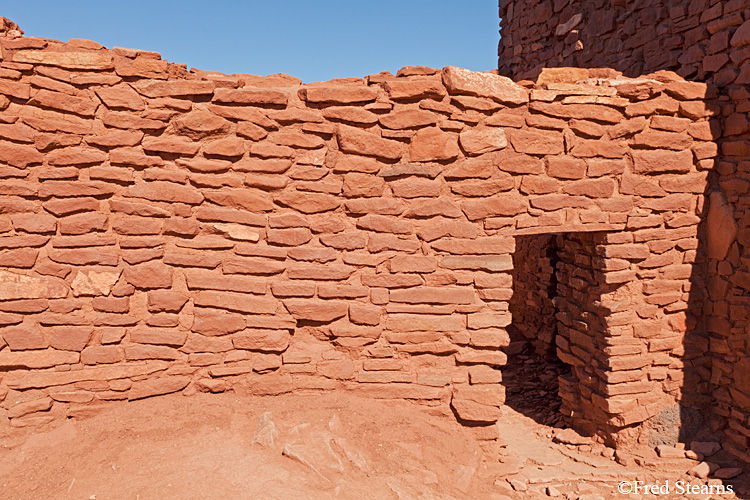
x=534, y=291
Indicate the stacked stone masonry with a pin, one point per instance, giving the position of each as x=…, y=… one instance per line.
x=703, y=41
x=698, y=39
x=164, y=230
x=532, y=305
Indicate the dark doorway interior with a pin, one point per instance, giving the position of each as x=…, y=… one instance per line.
x=531, y=375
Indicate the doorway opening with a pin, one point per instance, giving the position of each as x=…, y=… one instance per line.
x=533, y=370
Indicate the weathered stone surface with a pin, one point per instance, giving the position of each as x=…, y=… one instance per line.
x=741, y=37
x=654, y=162
x=358, y=141
x=536, y=143
x=431, y=144
x=479, y=403
x=170, y=145
x=414, y=89
x=17, y=286
x=499, y=205
x=433, y=295
x=478, y=246
x=73, y=338
x=592, y=188
x=478, y=262
x=262, y=340
x=235, y=302
x=705, y=448
x=37, y=359
x=149, y=275
x=238, y=232
x=158, y=336
x=157, y=386
x=121, y=96
x=323, y=311
x=251, y=96
x=178, y=88
x=68, y=60
x=432, y=208
x=216, y=323
x=409, y=118
x=480, y=141
x=338, y=94
x=308, y=203
x=166, y=301
x=141, y=67
x=570, y=436
x=28, y=407
x=165, y=191
x=137, y=352
x=350, y=114
x=23, y=337
x=94, y=282
x=252, y=266
x=19, y=155
x=419, y=322
x=63, y=102
x=248, y=199
x=210, y=281
x=29, y=380
x=200, y=124
x=499, y=88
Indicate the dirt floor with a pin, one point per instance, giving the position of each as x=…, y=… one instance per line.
x=318, y=446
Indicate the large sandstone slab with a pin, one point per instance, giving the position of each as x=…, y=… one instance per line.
x=20, y=380
x=316, y=310
x=47, y=358
x=358, y=141
x=18, y=286
x=499, y=88
x=67, y=60
x=157, y=386
x=479, y=403
x=659, y=162
x=235, y=302
x=94, y=283
x=424, y=322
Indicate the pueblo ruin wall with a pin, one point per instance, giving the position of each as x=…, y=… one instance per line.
x=164, y=230
x=703, y=41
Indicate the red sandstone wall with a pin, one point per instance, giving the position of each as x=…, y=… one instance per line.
x=703, y=40
x=699, y=39
x=534, y=290
x=164, y=231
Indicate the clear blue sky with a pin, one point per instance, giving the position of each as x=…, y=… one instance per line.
x=310, y=39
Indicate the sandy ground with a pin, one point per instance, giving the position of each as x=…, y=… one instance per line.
x=201, y=447
x=321, y=446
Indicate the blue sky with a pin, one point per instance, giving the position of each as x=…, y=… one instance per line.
x=314, y=39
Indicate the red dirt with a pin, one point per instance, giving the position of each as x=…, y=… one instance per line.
x=201, y=447
x=333, y=445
